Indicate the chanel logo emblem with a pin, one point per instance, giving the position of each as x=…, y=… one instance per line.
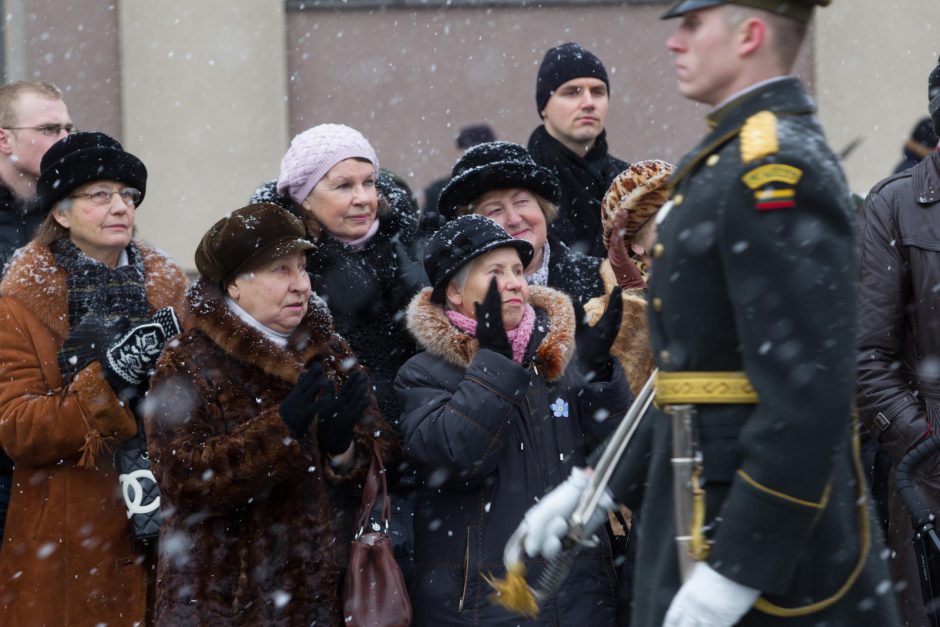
x=134, y=494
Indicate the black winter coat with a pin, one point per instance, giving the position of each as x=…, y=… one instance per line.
x=753, y=273
x=576, y=274
x=490, y=437
x=583, y=181
x=899, y=342
x=367, y=299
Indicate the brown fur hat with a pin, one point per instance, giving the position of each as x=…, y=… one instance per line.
x=641, y=190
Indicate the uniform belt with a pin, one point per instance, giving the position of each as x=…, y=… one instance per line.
x=694, y=388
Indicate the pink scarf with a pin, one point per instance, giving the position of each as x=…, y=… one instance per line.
x=518, y=337
x=359, y=243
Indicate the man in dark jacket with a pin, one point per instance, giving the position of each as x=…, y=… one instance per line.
x=899, y=338
x=752, y=323
x=571, y=93
x=33, y=116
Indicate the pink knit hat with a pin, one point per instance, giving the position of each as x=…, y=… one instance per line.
x=316, y=150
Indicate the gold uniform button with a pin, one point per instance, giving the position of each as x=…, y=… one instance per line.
x=712, y=160
x=664, y=357
x=677, y=200
x=658, y=250
x=657, y=304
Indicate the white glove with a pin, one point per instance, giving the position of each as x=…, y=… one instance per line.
x=709, y=599
x=546, y=522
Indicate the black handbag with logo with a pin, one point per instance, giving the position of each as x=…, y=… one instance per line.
x=139, y=488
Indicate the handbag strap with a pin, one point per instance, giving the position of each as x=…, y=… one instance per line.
x=375, y=481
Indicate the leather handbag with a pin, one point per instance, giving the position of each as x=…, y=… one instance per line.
x=375, y=594
x=139, y=488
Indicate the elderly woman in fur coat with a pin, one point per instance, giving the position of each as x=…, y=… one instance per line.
x=261, y=428
x=82, y=319
x=496, y=411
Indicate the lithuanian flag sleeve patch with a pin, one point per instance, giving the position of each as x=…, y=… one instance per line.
x=770, y=199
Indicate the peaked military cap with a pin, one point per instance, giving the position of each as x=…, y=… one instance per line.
x=800, y=10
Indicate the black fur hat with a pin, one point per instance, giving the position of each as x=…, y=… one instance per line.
x=495, y=165
x=459, y=242
x=82, y=158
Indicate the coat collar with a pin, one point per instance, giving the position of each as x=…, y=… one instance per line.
x=208, y=312
x=435, y=334
x=926, y=179
x=782, y=97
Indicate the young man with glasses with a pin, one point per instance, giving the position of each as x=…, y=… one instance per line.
x=33, y=116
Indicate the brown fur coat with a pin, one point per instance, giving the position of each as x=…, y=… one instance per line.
x=259, y=523
x=67, y=557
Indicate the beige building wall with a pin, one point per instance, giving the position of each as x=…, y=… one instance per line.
x=203, y=86
x=872, y=62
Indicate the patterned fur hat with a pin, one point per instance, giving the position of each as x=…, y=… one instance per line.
x=641, y=189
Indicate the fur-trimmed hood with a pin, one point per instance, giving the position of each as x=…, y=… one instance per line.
x=434, y=332
x=209, y=313
x=36, y=280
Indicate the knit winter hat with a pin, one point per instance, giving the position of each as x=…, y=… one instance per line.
x=495, y=165
x=82, y=158
x=246, y=239
x=933, y=96
x=562, y=64
x=459, y=242
x=316, y=150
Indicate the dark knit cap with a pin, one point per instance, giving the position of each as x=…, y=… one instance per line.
x=933, y=96
x=562, y=64
x=495, y=165
x=82, y=158
x=246, y=239
x=800, y=10
x=474, y=134
x=459, y=242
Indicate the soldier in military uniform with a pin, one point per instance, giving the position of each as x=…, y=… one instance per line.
x=752, y=320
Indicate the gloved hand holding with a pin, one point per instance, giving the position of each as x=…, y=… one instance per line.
x=128, y=359
x=489, y=315
x=592, y=344
x=628, y=275
x=410, y=272
x=301, y=404
x=338, y=414
x=546, y=522
x=709, y=599
x=89, y=339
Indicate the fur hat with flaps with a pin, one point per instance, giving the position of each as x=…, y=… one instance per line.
x=459, y=242
x=495, y=165
x=82, y=158
x=247, y=239
x=639, y=190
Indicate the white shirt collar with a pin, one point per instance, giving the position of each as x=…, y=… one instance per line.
x=279, y=339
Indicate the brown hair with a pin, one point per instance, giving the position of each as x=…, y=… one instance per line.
x=788, y=33
x=10, y=94
x=49, y=230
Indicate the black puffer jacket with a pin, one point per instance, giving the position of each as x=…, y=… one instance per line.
x=583, y=181
x=367, y=298
x=572, y=272
x=490, y=437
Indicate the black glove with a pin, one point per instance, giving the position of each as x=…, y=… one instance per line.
x=410, y=272
x=592, y=344
x=341, y=413
x=490, y=331
x=301, y=404
x=127, y=360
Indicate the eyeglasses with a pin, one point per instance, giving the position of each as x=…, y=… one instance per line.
x=129, y=195
x=49, y=130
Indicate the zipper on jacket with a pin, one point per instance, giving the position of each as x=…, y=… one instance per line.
x=466, y=573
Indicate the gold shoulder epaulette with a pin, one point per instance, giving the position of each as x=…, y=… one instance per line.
x=759, y=137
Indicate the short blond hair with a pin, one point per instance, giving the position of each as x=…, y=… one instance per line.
x=10, y=94
x=549, y=210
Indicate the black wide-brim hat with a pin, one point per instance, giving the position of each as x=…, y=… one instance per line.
x=495, y=165
x=82, y=158
x=459, y=242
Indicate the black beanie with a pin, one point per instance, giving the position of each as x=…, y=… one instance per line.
x=562, y=64
x=933, y=96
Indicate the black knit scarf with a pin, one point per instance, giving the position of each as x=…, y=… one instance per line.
x=110, y=294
